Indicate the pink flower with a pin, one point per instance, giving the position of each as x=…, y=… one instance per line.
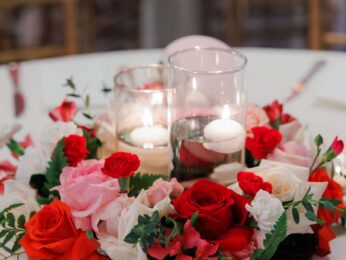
x=161, y=189
x=87, y=191
x=255, y=116
x=190, y=238
x=291, y=152
x=337, y=146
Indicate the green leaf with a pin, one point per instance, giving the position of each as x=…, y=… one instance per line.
x=308, y=206
x=87, y=101
x=139, y=182
x=311, y=216
x=93, y=144
x=295, y=215
x=175, y=231
x=21, y=221
x=73, y=95
x=55, y=166
x=15, y=147
x=8, y=237
x=69, y=83
x=10, y=219
x=16, y=246
x=89, y=234
x=88, y=116
x=318, y=140
x=272, y=240
x=193, y=218
x=3, y=233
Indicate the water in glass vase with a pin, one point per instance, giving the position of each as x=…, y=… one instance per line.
x=195, y=156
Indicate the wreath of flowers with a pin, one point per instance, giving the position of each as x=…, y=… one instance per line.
x=61, y=201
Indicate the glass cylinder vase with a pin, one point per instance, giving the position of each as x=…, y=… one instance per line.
x=207, y=133
x=141, y=116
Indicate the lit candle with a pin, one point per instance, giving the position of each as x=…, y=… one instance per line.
x=226, y=135
x=149, y=135
x=150, y=144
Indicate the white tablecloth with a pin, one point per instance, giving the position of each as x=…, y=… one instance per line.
x=271, y=74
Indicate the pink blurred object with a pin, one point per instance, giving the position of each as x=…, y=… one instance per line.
x=299, y=88
x=19, y=101
x=192, y=41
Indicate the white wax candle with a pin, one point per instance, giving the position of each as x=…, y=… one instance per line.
x=222, y=130
x=149, y=136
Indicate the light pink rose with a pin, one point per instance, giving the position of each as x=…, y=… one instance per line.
x=161, y=189
x=256, y=242
x=291, y=152
x=255, y=116
x=87, y=191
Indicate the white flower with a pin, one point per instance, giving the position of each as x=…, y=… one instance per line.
x=266, y=209
x=112, y=239
x=286, y=179
x=52, y=133
x=33, y=161
x=16, y=192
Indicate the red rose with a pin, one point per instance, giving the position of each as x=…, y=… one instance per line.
x=65, y=112
x=51, y=234
x=75, y=149
x=263, y=142
x=121, y=165
x=218, y=208
x=325, y=235
x=333, y=191
x=274, y=111
x=251, y=183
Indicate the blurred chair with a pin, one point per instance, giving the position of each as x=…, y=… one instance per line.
x=319, y=36
x=70, y=31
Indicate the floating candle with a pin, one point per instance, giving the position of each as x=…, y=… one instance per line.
x=149, y=135
x=226, y=135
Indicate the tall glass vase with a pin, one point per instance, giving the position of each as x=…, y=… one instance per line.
x=207, y=111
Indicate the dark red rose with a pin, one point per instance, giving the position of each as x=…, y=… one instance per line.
x=51, y=234
x=75, y=149
x=333, y=191
x=121, y=165
x=235, y=239
x=251, y=183
x=218, y=208
x=274, y=111
x=65, y=112
x=263, y=142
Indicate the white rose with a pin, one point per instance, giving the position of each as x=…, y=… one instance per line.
x=34, y=160
x=285, y=179
x=266, y=209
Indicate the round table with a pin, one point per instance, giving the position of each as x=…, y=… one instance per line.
x=271, y=73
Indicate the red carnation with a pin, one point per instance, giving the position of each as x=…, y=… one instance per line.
x=251, y=183
x=65, y=112
x=121, y=165
x=75, y=149
x=263, y=142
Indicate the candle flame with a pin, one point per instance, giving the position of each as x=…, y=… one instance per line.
x=226, y=112
x=147, y=118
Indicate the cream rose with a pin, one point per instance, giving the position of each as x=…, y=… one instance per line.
x=286, y=179
x=266, y=209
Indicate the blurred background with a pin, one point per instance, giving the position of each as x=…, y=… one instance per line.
x=31, y=29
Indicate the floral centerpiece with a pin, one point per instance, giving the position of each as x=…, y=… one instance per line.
x=60, y=200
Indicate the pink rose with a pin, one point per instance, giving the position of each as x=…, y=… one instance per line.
x=161, y=189
x=255, y=242
x=255, y=116
x=291, y=152
x=87, y=191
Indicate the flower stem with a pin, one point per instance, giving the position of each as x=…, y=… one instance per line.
x=315, y=159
